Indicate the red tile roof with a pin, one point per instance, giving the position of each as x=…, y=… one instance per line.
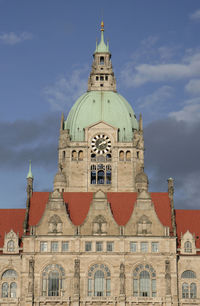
x=11, y=219
x=188, y=220
x=122, y=204
x=78, y=204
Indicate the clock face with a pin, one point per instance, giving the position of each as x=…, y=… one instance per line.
x=101, y=144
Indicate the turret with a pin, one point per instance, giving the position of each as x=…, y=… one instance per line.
x=102, y=76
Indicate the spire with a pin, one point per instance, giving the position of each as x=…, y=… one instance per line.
x=102, y=47
x=102, y=76
x=29, y=175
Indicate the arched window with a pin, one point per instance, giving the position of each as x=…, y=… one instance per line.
x=99, y=280
x=185, y=291
x=121, y=155
x=100, y=177
x=189, y=289
x=188, y=247
x=74, y=155
x=193, y=291
x=188, y=274
x=53, y=280
x=93, y=174
x=144, y=278
x=10, y=246
x=80, y=155
x=9, y=286
x=63, y=155
x=108, y=157
x=128, y=156
x=108, y=174
x=5, y=290
x=144, y=281
x=102, y=60
x=13, y=290
x=93, y=157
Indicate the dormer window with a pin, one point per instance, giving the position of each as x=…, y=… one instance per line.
x=188, y=247
x=10, y=246
x=102, y=60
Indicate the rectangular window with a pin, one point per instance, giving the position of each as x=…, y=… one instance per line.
x=144, y=247
x=88, y=246
x=65, y=246
x=54, y=246
x=154, y=247
x=110, y=246
x=43, y=246
x=133, y=247
x=99, y=246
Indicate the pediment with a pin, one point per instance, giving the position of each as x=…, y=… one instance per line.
x=101, y=125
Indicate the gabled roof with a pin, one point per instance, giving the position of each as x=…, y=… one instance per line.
x=78, y=204
x=188, y=220
x=11, y=219
x=122, y=204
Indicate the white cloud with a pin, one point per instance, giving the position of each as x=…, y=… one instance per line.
x=190, y=112
x=66, y=90
x=193, y=87
x=13, y=38
x=145, y=73
x=156, y=98
x=195, y=16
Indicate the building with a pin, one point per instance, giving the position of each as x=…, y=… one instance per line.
x=100, y=237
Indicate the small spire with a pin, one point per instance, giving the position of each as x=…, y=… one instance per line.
x=29, y=175
x=62, y=122
x=140, y=123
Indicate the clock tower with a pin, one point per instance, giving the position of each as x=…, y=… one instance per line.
x=101, y=142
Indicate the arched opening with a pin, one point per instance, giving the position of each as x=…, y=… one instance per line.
x=101, y=60
x=108, y=157
x=80, y=155
x=93, y=179
x=100, y=179
x=188, y=247
x=128, y=155
x=121, y=155
x=99, y=280
x=144, y=283
x=74, y=155
x=108, y=174
x=98, y=283
x=93, y=157
x=10, y=246
x=52, y=280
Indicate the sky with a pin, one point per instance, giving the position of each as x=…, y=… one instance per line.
x=46, y=52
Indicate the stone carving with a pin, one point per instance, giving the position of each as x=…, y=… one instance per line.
x=144, y=225
x=122, y=278
x=99, y=225
x=55, y=224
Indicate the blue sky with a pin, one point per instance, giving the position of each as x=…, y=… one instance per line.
x=45, y=57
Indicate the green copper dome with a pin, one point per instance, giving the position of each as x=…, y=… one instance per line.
x=107, y=106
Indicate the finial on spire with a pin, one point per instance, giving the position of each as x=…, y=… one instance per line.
x=29, y=175
x=102, y=26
